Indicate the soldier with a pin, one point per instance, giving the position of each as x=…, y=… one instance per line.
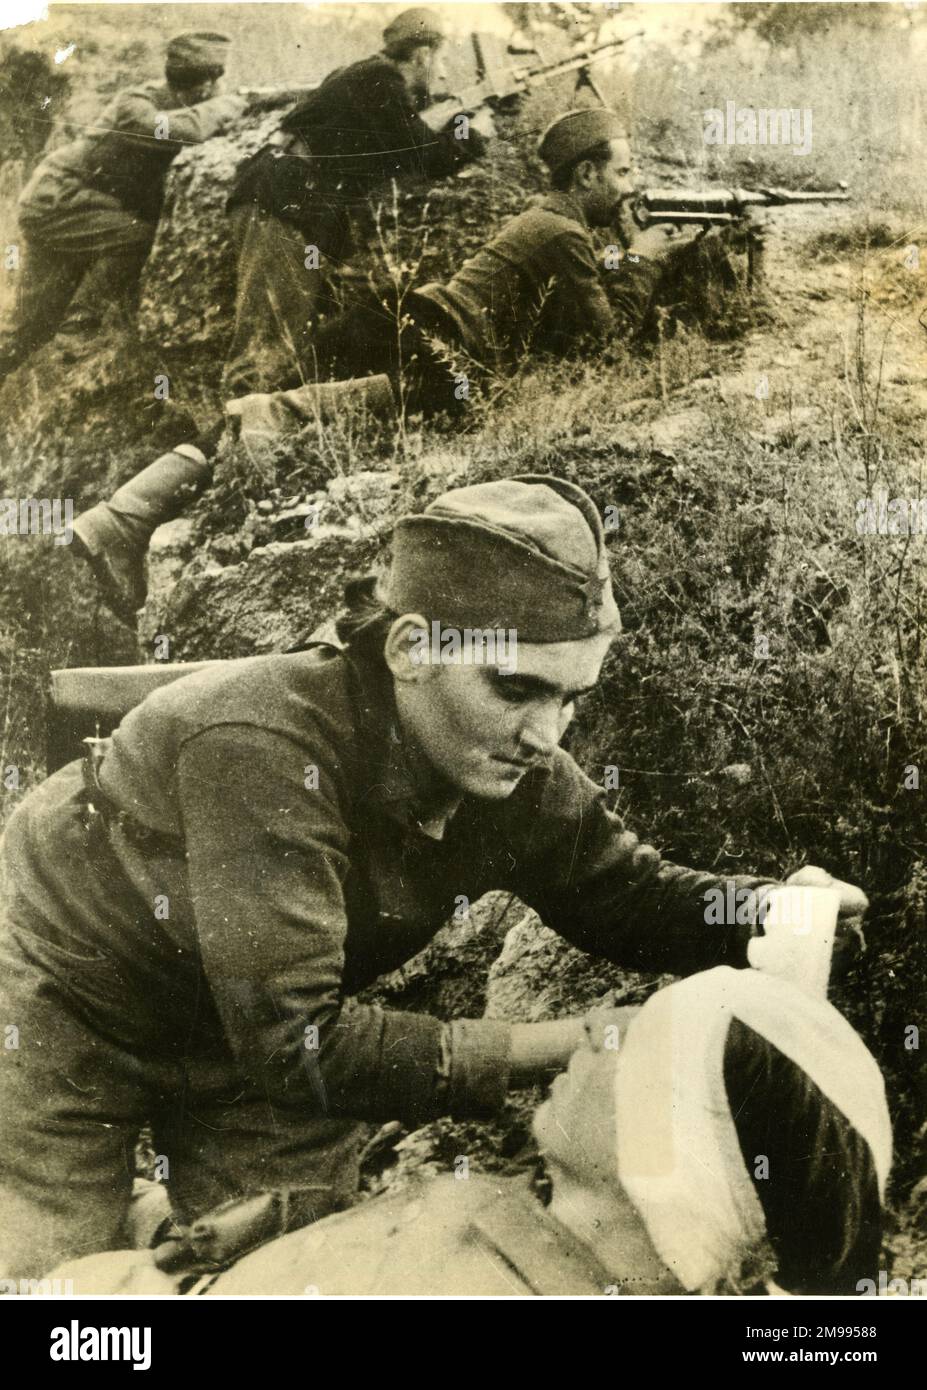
x=89, y=212
x=536, y=287
x=187, y=919
x=292, y=203
x=651, y=1153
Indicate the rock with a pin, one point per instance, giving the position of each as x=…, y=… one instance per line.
x=449, y=978
x=539, y=976
x=169, y=552
x=918, y=1206
x=784, y=426
x=296, y=521
x=366, y=492
x=668, y=431
x=739, y=773
x=268, y=603
x=281, y=590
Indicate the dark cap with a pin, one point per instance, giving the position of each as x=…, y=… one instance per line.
x=526, y=553
x=575, y=133
x=198, y=50
x=418, y=25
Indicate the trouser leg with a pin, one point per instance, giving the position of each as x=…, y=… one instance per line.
x=113, y=536
x=49, y=281
x=225, y=1141
x=362, y=340
x=411, y=344
x=71, y=1107
x=111, y=281
x=278, y=295
x=148, y=499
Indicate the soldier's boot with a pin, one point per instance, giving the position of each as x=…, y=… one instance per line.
x=271, y=415
x=113, y=536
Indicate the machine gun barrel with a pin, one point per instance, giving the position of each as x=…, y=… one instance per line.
x=685, y=206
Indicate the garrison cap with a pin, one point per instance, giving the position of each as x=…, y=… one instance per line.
x=198, y=50
x=575, y=133
x=419, y=25
x=526, y=553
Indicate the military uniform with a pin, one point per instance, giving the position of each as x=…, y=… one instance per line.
x=167, y=970
x=342, y=144
x=440, y=1237
x=90, y=210
x=536, y=288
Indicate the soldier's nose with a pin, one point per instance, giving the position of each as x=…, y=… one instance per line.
x=541, y=736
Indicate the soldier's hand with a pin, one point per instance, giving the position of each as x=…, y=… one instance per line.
x=440, y=114
x=483, y=123
x=849, y=942
x=662, y=239
x=229, y=107
x=606, y=1023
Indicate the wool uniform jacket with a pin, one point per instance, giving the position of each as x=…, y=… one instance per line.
x=267, y=807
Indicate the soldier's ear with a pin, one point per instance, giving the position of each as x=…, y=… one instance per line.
x=408, y=649
x=583, y=173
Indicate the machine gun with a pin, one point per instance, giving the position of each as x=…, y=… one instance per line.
x=497, y=83
x=724, y=207
x=720, y=206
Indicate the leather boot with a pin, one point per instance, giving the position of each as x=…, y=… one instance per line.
x=267, y=416
x=113, y=536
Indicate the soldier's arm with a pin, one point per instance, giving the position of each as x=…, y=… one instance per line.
x=416, y=147
x=578, y=308
x=631, y=292
x=595, y=883
x=267, y=859
x=136, y=115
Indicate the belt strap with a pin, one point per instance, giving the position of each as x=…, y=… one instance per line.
x=101, y=815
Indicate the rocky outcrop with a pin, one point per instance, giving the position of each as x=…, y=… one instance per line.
x=189, y=282
x=277, y=591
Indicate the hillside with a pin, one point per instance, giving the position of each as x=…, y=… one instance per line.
x=768, y=701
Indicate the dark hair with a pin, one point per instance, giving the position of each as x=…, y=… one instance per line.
x=364, y=622
x=821, y=1197
x=562, y=177
x=184, y=78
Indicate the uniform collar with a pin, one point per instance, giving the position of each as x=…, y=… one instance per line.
x=562, y=203
x=391, y=783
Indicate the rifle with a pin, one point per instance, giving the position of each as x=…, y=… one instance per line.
x=720, y=207
x=84, y=702
x=269, y=98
